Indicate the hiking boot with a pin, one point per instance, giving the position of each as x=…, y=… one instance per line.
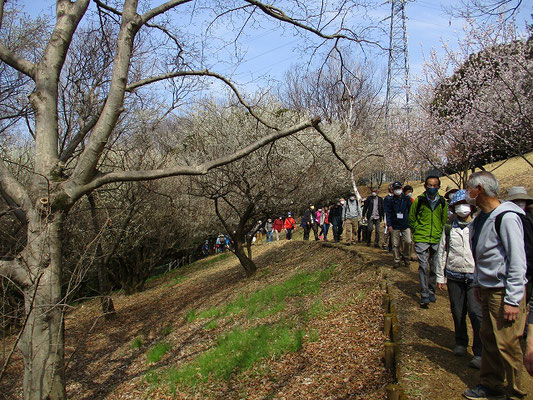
x=396, y=265
x=432, y=298
x=407, y=264
x=376, y=245
x=482, y=392
x=459, y=351
x=475, y=362
x=424, y=302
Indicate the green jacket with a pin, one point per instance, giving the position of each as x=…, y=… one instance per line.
x=427, y=224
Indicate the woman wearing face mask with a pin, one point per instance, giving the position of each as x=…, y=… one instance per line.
x=455, y=266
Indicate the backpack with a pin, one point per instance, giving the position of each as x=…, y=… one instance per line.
x=528, y=245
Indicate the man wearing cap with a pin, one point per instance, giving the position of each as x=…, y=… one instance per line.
x=427, y=217
x=351, y=213
x=397, y=211
x=500, y=279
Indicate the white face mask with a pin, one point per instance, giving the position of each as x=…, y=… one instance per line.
x=342, y=202
x=374, y=194
x=409, y=194
x=470, y=200
x=521, y=203
x=398, y=192
x=462, y=210
x=352, y=198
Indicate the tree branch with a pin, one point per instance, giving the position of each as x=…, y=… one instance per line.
x=14, y=189
x=19, y=63
x=12, y=269
x=204, y=72
x=161, y=9
x=281, y=16
x=202, y=169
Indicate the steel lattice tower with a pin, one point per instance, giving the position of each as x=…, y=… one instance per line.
x=398, y=88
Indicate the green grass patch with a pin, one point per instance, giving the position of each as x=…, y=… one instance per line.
x=269, y=300
x=157, y=352
x=313, y=335
x=137, y=342
x=211, y=325
x=167, y=330
x=237, y=351
x=152, y=377
x=190, y=316
x=318, y=309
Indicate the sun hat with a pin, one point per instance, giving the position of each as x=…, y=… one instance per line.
x=458, y=196
x=450, y=191
x=518, y=193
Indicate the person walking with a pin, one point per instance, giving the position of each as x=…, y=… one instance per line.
x=374, y=212
x=500, y=277
x=335, y=217
x=309, y=222
x=397, y=211
x=290, y=223
x=455, y=267
x=278, y=227
x=269, y=229
x=427, y=218
x=324, y=223
x=387, y=242
x=351, y=213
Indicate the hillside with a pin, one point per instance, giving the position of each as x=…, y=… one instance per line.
x=512, y=172
x=307, y=325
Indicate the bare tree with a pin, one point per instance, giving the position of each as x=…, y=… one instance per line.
x=61, y=178
x=347, y=96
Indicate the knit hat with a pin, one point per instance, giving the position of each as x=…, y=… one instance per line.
x=518, y=193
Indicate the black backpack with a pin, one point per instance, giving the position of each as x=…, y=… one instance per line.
x=528, y=245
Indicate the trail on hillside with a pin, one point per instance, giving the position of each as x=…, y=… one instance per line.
x=428, y=368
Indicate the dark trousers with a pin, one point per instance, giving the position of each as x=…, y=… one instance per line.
x=288, y=233
x=307, y=230
x=463, y=302
x=336, y=228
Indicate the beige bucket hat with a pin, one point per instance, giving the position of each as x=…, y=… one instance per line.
x=518, y=193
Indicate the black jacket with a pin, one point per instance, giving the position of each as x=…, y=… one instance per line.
x=369, y=207
x=335, y=212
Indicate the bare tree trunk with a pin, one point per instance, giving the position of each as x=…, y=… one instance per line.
x=246, y=262
x=42, y=344
x=104, y=286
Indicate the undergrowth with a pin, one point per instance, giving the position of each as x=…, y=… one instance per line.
x=239, y=349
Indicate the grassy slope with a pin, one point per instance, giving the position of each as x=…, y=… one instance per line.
x=512, y=172
x=307, y=325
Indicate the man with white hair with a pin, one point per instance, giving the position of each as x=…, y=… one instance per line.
x=500, y=279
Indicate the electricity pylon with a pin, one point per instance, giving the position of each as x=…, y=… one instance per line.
x=398, y=87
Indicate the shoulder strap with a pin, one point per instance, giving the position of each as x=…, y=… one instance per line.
x=498, y=221
x=447, y=232
x=419, y=201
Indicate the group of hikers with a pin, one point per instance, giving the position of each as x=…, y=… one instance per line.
x=468, y=240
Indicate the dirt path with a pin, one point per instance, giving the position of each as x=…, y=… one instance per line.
x=429, y=370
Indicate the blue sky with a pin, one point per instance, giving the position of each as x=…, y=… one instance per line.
x=269, y=54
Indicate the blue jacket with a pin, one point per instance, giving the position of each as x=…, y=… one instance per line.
x=395, y=205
